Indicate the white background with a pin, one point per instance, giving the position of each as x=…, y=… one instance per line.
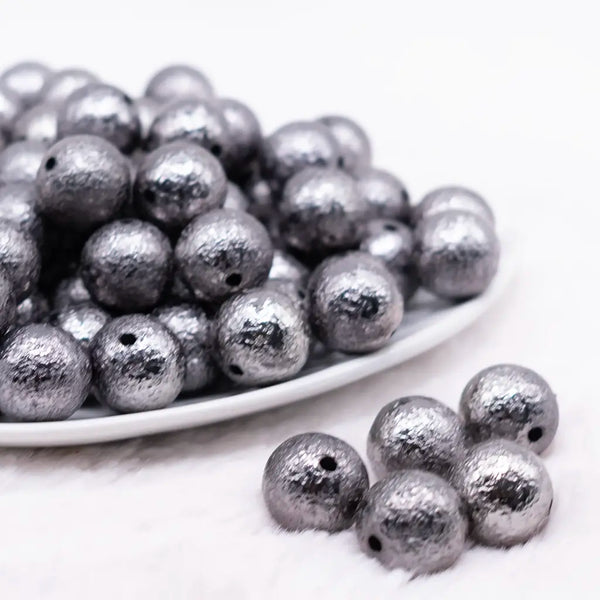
x=503, y=97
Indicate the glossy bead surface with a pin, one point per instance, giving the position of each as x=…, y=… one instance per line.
x=314, y=481
x=126, y=264
x=262, y=337
x=70, y=291
x=19, y=162
x=82, y=321
x=507, y=491
x=286, y=267
x=46, y=375
x=37, y=124
x=10, y=108
x=223, y=252
x=512, y=402
x=179, y=81
x=7, y=302
x=20, y=257
x=33, y=309
x=456, y=254
x=245, y=135
x=353, y=142
x=385, y=194
x=138, y=364
x=26, y=80
x=18, y=204
x=235, y=199
x=61, y=84
x=412, y=520
x=453, y=198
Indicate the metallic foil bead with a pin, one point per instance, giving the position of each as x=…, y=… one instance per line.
x=18, y=204
x=126, y=264
x=61, y=84
x=179, y=81
x=355, y=303
x=262, y=337
x=412, y=520
x=147, y=110
x=235, y=199
x=19, y=162
x=10, y=108
x=20, y=257
x=456, y=254
x=45, y=374
x=322, y=211
x=83, y=182
x=295, y=291
x=296, y=146
x=7, y=302
x=354, y=144
x=138, y=364
x=192, y=328
x=416, y=433
x=33, y=309
x=26, y=80
x=444, y=199
x=223, y=252
x=102, y=110
x=512, y=402
x=37, y=124
x=286, y=267
x=82, y=321
x=69, y=292
x=177, y=182
x=507, y=491
x=245, y=135
x=385, y=194
x=262, y=199
x=314, y=481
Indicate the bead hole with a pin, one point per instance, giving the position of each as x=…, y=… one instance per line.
x=328, y=463
x=216, y=149
x=301, y=294
x=149, y=196
x=535, y=433
x=50, y=163
x=236, y=369
x=390, y=227
x=128, y=339
x=233, y=280
x=374, y=543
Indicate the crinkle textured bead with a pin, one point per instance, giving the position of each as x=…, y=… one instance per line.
x=235, y=199
x=20, y=257
x=61, y=84
x=452, y=198
x=354, y=144
x=33, y=309
x=19, y=162
x=82, y=321
x=70, y=291
x=7, y=301
x=245, y=135
x=26, y=80
x=18, y=204
x=37, y=124
x=179, y=81
x=385, y=194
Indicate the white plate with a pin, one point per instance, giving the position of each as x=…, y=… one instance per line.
x=427, y=323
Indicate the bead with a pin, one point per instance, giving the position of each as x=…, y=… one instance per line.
x=507, y=491
x=18, y=204
x=223, y=252
x=102, y=110
x=235, y=199
x=262, y=199
x=82, y=321
x=83, y=182
x=355, y=304
x=26, y=80
x=285, y=266
x=179, y=81
x=314, y=481
x=512, y=402
x=192, y=328
x=295, y=291
x=412, y=520
x=147, y=110
x=321, y=211
x=138, y=364
x=33, y=309
x=19, y=162
x=355, y=147
x=37, y=124
x=416, y=432
x=20, y=257
x=7, y=302
x=10, y=108
x=456, y=254
x=45, y=374
x=452, y=198
x=296, y=146
x=126, y=264
x=262, y=337
x=61, y=84
x=69, y=292
x=385, y=194
x=245, y=135
x=178, y=182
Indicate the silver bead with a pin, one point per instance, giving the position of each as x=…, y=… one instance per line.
x=262, y=337
x=37, y=124
x=61, y=84
x=45, y=374
x=138, y=364
x=179, y=81
x=83, y=182
x=20, y=257
x=7, y=302
x=19, y=162
x=507, y=491
x=314, y=481
x=10, y=108
x=297, y=292
x=355, y=303
x=286, y=267
x=452, y=198
x=18, y=204
x=126, y=264
x=322, y=211
x=177, y=182
x=385, y=194
x=512, y=402
x=456, y=254
x=192, y=328
x=235, y=199
x=82, y=321
x=27, y=80
x=69, y=292
x=412, y=520
x=102, y=110
x=245, y=135
x=223, y=252
x=416, y=433
x=262, y=199
x=33, y=309
x=354, y=144
x=147, y=109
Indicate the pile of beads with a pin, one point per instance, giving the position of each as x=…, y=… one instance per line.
x=150, y=246
x=443, y=476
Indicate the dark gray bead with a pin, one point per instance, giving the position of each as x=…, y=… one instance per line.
x=453, y=198
x=19, y=162
x=18, y=204
x=33, y=309
x=20, y=257
x=61, y=84
x=179, y=81
x=7, y=302
x=245, y=135
x=355, y=147
x=235, y=199
x=37, y=124
x=82, y=321
x=69, y=292
x=26, y=80
x=385, y=194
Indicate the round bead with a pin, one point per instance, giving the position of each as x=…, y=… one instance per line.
x=314, y=481
x=235, y=199
x=191, y=327
x=147, y=110
x=82, y=321
x=102, y=110
x=296, y=146
x=20, y=257
x=507, y=491
x=262, y=199
x=262, y=337
x=223, y=252
x=322, y=211
x=37, y=124
x=19, y=162
x=126, y=265
x=10, y=108
x=286, y=267
x=26, y=80
x=512, y=402
x=355, y=147
x=83, y=182
x=294, y=290
x=179, y=81
x=453, y=198
x=385, y=194
x=45, y=374
x=60, y=85
x=355, y=303
x=138, y=364
x=412, y=520
x=7, y=301
x=18, y=204
x=33, y=309
x=178, y=182
x=245, y=135
x=457, y=254
x=416, y=433
x=69, y=292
